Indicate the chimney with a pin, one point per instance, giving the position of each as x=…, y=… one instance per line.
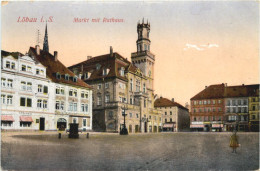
x=38, y=50
x=55, y=55
x=172, y=99
x=111, y=51
x=89, y=57
x=243, y=84
x=206, y=87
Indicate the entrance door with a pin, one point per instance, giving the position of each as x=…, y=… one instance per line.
x=145, y=126
x=42, y=124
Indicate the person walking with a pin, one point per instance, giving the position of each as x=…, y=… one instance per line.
x=234, y=141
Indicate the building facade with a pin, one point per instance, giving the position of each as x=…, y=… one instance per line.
x=226, y=108
x=40, y=93
x=123, y=87
x=175, y=117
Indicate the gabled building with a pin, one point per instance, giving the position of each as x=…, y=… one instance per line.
x=207, y=109
x=120, y=86
x=175, y=117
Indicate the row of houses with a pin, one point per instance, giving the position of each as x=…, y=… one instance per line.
x=226, y=108
x=40, y=93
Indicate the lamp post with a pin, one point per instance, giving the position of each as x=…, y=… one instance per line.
x=124, y=131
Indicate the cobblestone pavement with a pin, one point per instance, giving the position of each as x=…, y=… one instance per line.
x=165, y=151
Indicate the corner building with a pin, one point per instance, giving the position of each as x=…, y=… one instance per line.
x=122, y=86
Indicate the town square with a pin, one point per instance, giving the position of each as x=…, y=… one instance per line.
x=130, y=85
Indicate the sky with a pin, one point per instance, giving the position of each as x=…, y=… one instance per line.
x=196, y=43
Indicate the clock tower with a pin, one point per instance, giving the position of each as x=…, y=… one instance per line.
x=143, y=58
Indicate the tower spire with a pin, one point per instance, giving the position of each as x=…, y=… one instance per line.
x=45, y=43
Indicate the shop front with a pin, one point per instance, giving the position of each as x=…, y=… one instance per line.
x=197, y=126
x=168, y=127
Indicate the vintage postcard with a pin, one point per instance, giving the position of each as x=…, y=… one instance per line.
x=121, y=85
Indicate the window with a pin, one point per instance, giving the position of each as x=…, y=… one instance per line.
x=200, y=102
x=110, y=114
x=105, y=71
x=37, y=71
x=86, y=75
x=165, y=120
x=122, y=71
x=219, y=109
x=84, y=122
x=239, y=102
x=209, y=109
x=150, y=117
x=228, y=102
x=40, y=88
x=107, y=97
x=99, y=100
x=208, y=101
x=7, y=64
x=137, y=85
x=205, y=101
x=245, y=102
x=165, y=113
x=144, y=88
x=214, y=101
x=75, y=93
x=39, y=103
x=233, y=102
x=3, y=82
x=130, y=115
x=170, y=112
x=144, y=103
x=195, y=102
x=99, y=86
x=58, y=76
x=84, y=107
x=25, y=124
x=70, y=92
x=45, y=104
x=3, y=99
x=10, y=83
x=45, y=89
x=131, y=100
x=9, y=100
x=57, y=105
x=170, y=119
x=214, y=109
x=62, y=105
x=122, y=86
x=29, y=69
x=98, y=66
x=23, y=85
x=13, y=65
x=75, y=106
x=205, y=109
x=62, y=91
x=106, y=85
x=84, y=94
x=75, y=79
x=29, y=86
x=131, y=84
x=23, y=67
x=67, y=77
x=219, y=101
x=26, y=102
x=137, y=116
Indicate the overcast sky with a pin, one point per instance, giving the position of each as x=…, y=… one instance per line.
x=195, y=43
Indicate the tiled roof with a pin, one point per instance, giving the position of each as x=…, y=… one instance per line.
x=211, y=92
x=222, y=91
x=14, y=54
x=164, y=102
x=53, y=67
x=112, y=62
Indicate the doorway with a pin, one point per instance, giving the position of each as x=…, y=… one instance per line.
x=42, y=124
x=145, y=126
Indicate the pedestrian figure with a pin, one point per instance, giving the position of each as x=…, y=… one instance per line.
x=234, y=141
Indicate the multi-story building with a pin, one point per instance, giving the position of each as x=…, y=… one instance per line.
x=253, y=106
x=175, y=117
x=207, y=109
x=120, y=86
x=26, y=96
x=40, y=93
x=238, y=108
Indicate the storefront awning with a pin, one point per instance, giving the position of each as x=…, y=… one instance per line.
x=197, y=126
x=26, y=119
x=217, y=125
x=168, y=125
x=7, y=118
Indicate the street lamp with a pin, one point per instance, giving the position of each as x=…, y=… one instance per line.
x=123, y=131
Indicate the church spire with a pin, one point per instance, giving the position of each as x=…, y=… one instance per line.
x=45, y=43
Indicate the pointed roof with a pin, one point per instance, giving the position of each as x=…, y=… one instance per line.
x=53, y=67
x=45, y=43
x=164, y=102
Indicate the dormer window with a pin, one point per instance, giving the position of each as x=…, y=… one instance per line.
x=23, y=67
x=13, y=65
x=29, y=68
x=98, y=66
x=7, y=64
x=58, y=76
x=75, y=79
x=105, y=71
x=86, y=75
x=122, y=71
x=67, y=77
